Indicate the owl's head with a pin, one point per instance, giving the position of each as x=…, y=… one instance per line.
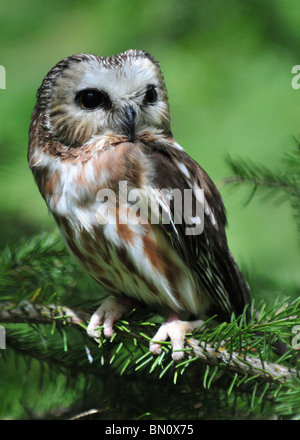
x=86, y=96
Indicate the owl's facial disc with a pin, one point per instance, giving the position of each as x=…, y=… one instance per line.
x=94, y=97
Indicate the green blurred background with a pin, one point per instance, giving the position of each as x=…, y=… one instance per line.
x=227, y=66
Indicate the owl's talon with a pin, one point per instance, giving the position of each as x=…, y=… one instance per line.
x=174, y=329
x=155, y=348
x=107, y=314
x=94, y=334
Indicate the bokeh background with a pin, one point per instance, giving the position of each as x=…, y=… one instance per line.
x=227, y=66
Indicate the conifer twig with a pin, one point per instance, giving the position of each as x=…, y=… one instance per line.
x=207, y=354
x=237, y=363
x=27, y=312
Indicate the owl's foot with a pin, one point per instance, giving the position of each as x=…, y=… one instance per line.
x=175, y=329
x=110, y=311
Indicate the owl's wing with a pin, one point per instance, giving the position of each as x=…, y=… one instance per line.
x=207, y=252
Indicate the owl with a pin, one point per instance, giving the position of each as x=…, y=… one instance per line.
x=140, y=216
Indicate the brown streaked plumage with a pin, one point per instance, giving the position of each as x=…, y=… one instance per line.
x=100, y=126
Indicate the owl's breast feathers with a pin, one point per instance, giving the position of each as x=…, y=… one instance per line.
x=120, y=243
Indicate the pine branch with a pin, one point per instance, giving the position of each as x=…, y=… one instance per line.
x=286, y=178
x=260, y=176
x=283, y=182
x=208, y=354
x=27, y=313
x=241, y=365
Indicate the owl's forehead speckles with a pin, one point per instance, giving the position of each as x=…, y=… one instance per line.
x=122, y=81
x=84, y=66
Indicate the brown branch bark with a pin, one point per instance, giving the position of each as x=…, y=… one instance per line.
x=27, y=312
x=240, y=364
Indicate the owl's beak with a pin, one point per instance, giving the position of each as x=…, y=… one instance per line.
x=128, y=122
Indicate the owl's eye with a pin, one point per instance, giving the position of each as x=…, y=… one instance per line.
x=150, y=95
x=92, y=98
